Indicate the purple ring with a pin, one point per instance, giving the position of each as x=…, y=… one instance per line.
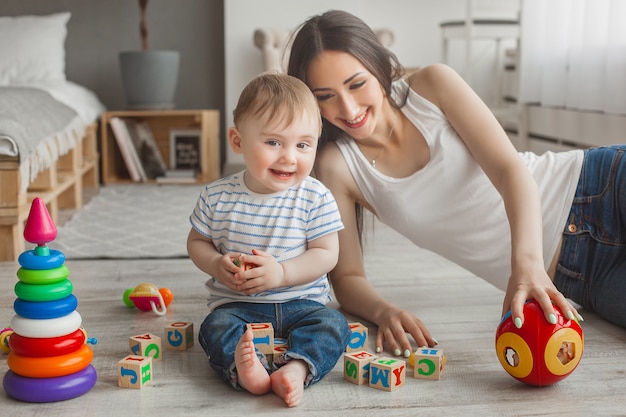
x=44, y=390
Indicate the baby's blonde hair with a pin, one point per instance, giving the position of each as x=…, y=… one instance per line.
x=280, y=97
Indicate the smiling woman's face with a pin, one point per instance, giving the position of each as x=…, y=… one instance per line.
x=349, y=96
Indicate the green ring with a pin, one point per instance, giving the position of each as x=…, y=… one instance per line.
x=43, y=276
x=126, y=297
x=45, y=292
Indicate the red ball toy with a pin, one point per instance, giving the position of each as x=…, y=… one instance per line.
x=539, y=353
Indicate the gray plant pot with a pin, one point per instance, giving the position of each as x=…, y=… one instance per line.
x=149, y=78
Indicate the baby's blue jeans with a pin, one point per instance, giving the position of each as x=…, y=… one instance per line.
x=591, y=270
x=315, y=333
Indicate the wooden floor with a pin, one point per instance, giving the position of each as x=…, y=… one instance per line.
x=461, y=310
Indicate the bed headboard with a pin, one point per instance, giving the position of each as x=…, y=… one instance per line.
x=273, y=43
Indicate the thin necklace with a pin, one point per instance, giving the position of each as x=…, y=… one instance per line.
x=373, y=162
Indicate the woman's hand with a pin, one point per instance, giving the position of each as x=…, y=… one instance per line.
x=537, y=285
x=393, y=326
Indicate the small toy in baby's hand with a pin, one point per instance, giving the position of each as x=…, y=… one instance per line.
x=539, y=353
x=146, y=297
x=245, y=265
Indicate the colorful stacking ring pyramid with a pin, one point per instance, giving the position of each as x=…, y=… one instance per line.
x=49, y=359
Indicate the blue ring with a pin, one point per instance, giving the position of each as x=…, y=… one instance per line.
x=45, y=309
x=44, y=390
x=31, y=260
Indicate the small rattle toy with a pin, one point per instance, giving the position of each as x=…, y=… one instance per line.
x=539, y=353
x=146, y=297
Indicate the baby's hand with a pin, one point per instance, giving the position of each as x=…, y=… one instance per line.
x=227, y=270
x=261, y=272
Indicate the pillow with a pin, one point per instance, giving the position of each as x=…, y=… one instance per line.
x=32, y=48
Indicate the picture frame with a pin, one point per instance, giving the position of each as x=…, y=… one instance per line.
x=185, y=149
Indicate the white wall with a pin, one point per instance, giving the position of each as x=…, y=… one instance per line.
x=415, y=24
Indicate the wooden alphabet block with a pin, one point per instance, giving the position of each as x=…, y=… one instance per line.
x=387, y=374
x=179, y=335
x=280, y=346
x=146, y=345
x=134, y=371
x=356, y=366
x=428, y=363
x=358, y=338
x=263, y=337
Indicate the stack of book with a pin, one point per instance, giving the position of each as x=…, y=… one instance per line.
x=141, y=154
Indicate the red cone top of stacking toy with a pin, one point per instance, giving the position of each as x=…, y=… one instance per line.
x=39, y=228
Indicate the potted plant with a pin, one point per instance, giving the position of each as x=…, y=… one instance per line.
x=149, y=77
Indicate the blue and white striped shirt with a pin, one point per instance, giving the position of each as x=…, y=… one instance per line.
x=281, y=224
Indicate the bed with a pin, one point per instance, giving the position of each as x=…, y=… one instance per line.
x=48, y=125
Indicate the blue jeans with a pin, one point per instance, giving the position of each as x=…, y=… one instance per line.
x=315, y=334
x=591, y=270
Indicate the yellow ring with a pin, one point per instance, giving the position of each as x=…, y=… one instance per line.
x=514, y=341
x=553, y=347
x=4, y=340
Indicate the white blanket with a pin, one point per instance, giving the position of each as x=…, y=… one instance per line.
x=40, y=122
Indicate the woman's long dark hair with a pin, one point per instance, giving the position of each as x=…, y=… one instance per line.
x=337, y=30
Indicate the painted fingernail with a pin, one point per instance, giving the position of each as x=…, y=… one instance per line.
x=552, y=318
x=518, y=322
x=407, y=353
x=435, y=342
x=570, y=315
x=397, y=352
x=580, y=318
x=378, y=349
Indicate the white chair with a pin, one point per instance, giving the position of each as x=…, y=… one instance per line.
x=273, y=45
x=495, y=20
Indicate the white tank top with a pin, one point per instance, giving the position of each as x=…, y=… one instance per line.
x=450, y=207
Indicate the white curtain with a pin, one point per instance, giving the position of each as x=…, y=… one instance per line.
x=573, y=54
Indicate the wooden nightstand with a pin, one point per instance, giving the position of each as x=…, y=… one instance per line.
x=162, y=122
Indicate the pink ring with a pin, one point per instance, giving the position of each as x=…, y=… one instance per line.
x=52, y=366
x=39, y=347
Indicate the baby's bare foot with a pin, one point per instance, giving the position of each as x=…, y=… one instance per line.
x=288, y=382
x=251, y=374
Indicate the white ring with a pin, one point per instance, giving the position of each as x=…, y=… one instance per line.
x=46, y=327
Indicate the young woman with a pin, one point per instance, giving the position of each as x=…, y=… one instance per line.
x=427, y=157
